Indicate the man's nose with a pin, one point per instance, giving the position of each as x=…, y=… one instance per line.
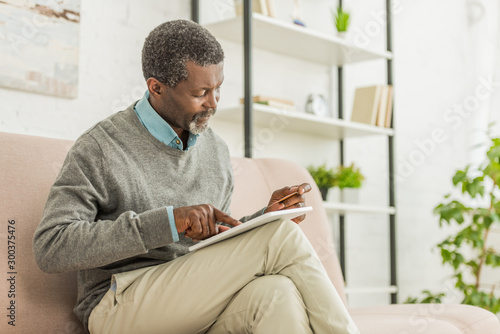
x=212, y=100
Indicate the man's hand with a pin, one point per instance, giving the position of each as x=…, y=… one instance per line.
x=200, y=221
x=296, y=201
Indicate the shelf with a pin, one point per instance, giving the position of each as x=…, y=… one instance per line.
x=344, y=208
x=291, y=40
x=294, y=121
x=384, y=289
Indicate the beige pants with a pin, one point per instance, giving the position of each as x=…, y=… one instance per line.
x=268, y=280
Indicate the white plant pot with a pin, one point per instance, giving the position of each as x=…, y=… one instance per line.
x=350, y=195
x=334, y=195
x=342, y=34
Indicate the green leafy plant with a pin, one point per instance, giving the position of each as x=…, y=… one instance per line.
x=341, y=19
x=466, y=251
x=349, y=177
x=429, y=298
x=342, y=177
x=324, y=177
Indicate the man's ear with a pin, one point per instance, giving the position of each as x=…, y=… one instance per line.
x=155, y=87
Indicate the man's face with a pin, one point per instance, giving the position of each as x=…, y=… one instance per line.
x=190, y=104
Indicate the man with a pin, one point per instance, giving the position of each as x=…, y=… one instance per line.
x=141, y=186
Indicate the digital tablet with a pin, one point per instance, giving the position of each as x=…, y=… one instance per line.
x=251, y=224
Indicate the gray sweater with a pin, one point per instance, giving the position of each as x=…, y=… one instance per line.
x=106, y=212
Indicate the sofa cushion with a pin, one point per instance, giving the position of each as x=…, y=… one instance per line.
x=425, y=318
x=43, y=303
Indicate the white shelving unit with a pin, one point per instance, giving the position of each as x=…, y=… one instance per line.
x=343, y=208
x=332, y=128
x=288, y=39
x=381, y=289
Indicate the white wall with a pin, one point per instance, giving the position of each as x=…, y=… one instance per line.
x=110, y=76
x=435, y=68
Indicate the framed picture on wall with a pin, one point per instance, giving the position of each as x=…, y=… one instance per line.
x=39, y=46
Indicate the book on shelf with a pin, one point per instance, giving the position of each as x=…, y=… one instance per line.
x=366, y=103
x=382, y=107
x=272, y=102
x=258, y=6
x=270, y=8
x=372, y=105
x=388, y=115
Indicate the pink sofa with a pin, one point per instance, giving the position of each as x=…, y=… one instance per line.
x=40, y=303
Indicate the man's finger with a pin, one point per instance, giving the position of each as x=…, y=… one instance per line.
x=293, y=201
x=296, y=205
x=282, y=192
x=275, y=207
x=299, y=219
x=223, y=228
x=304, y=188
x=224, y=218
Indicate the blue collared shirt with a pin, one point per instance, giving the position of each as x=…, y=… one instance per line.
x=158, y=127
x=162, y=131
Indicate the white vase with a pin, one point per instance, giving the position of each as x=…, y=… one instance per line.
x=350, y=195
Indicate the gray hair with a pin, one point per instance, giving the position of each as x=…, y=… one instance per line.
x=171, y=44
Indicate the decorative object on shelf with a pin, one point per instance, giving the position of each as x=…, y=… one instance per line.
x=350, y=195
x=258, y=6
x=39, y=46
x=270, y=8
x=272, y=102
x=316, y=104
x=373, y=105
x=343, y=177
x=349, y=180
x=296, y=13
x=467, y=251
x=223, y=9
x=324, y=177
x=341, y=20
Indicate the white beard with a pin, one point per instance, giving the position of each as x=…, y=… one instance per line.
x=196, y=129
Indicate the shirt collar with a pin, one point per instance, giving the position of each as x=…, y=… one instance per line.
x=158, y=127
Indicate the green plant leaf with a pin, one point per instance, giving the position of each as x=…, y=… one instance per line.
x=349, y=177
x=459, y=176
x=475, y=187
x=341, y=19
x=475, y=298
x=411, y=300
x=457, y=260
x=446, y=255
x=451, y=211
x=323, y=176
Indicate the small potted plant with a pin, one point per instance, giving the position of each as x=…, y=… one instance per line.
x=324, y=177
x=349, y=177
x=341, y=20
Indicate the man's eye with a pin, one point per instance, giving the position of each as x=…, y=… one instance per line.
x=202, y=95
